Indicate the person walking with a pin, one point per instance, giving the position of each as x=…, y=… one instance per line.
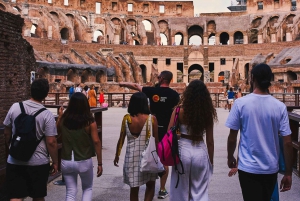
x=80, y=141
x=84, y=91
x=135, y=126
x=78, y=88
x=29, y=178
x=101, y=97
x=230, y=95
x=92, y=96
x=260, y=119
x=196, y=119
x=162, y=101
x=71, y=91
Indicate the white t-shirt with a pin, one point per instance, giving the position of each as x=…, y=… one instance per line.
x=45, y=125
x=78, y=89
x=260, y=118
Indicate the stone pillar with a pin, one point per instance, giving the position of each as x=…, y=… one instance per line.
x=50, y=33
x=185, y=40
x=226, y=76
x=260, y=38
x=185, y=66
x=231, y=40
x=288, y=36
x=217, y=40
x=206, y=76
x=205, y=40
x=273, y=38
x=245, y=38
x=116, y=39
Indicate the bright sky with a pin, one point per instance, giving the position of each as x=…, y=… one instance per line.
x=212, y=6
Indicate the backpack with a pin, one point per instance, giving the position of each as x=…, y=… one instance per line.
x=71, y=90
x=24, y=141
x=167, y=148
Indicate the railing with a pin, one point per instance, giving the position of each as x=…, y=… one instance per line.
x=122, y=99
x=294, y=119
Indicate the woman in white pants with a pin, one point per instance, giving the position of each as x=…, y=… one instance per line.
x=196, y=118
x=80, y=140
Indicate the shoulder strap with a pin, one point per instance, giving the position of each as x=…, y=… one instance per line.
x=149, y=125
x=38, y=112
x=22, y=107
x=176, y=115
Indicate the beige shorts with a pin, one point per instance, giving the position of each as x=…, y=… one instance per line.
x=230, y=101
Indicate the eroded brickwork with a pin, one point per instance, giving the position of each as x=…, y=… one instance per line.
x=16, y=62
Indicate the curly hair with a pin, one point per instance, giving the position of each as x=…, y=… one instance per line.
x=198, y=108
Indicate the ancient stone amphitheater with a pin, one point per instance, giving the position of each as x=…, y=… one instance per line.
x=103, y=42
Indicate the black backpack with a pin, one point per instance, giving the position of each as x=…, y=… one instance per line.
x=24, y=141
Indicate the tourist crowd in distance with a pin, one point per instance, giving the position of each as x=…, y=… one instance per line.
x=155, y=114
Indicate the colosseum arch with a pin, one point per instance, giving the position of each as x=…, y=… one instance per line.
x=71, y=18
x=211, y=27
x=212, y=39
x=238, y=38
x=84, y=18
x=86, y=76
x=287, y=21
x=16, y=8
x=64, y=33
x=100, y=76
x=78, y=31
x=256, y=22
x=99, y=20
x=291, y=76
x=98, y=36
x=195, y=35
x=195, y=71
x=144, y=72
x=179, y=40
x=55, y=16
x=164, y=29
x=71, y=75
x=2, y=7
x=224, y=38
x=150, y=33
x=36, y=31
x=34, y=13
x=43, y=72
x=253, y=36
x=273, y=20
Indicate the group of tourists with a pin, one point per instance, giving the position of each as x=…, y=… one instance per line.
x=258, y=117
x=89, y=92
x=231, y=96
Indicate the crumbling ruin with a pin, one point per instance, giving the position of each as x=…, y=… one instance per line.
x=118, y=40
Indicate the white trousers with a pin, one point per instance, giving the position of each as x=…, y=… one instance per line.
x=193, y=185
x=70, y=171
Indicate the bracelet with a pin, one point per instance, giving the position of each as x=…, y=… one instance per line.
x=99, y=164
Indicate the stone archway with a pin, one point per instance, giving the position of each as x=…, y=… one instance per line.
x=195, y=72
x=100, y=76
x=144, y=72
x=71, y=75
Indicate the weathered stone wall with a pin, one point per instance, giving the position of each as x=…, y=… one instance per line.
x=16, y=62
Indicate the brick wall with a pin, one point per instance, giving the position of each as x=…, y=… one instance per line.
x=16, y=62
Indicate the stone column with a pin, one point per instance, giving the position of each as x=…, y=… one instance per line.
x=245, y=38
x=206, y=76
x=49, y=32
x=185, y=40
x=260, y=38
x=185, y=65
x=273, y=38
x=217, y=40
x=205, y=40
x=231, y=40
x=288, y=36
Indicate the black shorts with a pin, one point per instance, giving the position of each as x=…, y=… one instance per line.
x=23, y=181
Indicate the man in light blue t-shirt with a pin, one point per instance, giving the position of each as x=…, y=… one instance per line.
x=260, y=119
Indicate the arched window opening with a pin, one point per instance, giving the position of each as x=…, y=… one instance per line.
x=135, y=42
x=212, y=39
x=54, y=15
x=253, y=36
x=85, y=76
x=84, y=19
x=16, y=8
x=144, y=72
x=195, y=40
x=100, y=76
x=163, y=39
x=195, y=72
x=148, y=25
x=285, y=60
x=178, y=39
x=43, y=72
x=33, y=30
x=238, y=38
x=224, y=38
x=291, y=76
x=98, y=35
x=71, y=75
x=221, y=77
x=64, y=33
